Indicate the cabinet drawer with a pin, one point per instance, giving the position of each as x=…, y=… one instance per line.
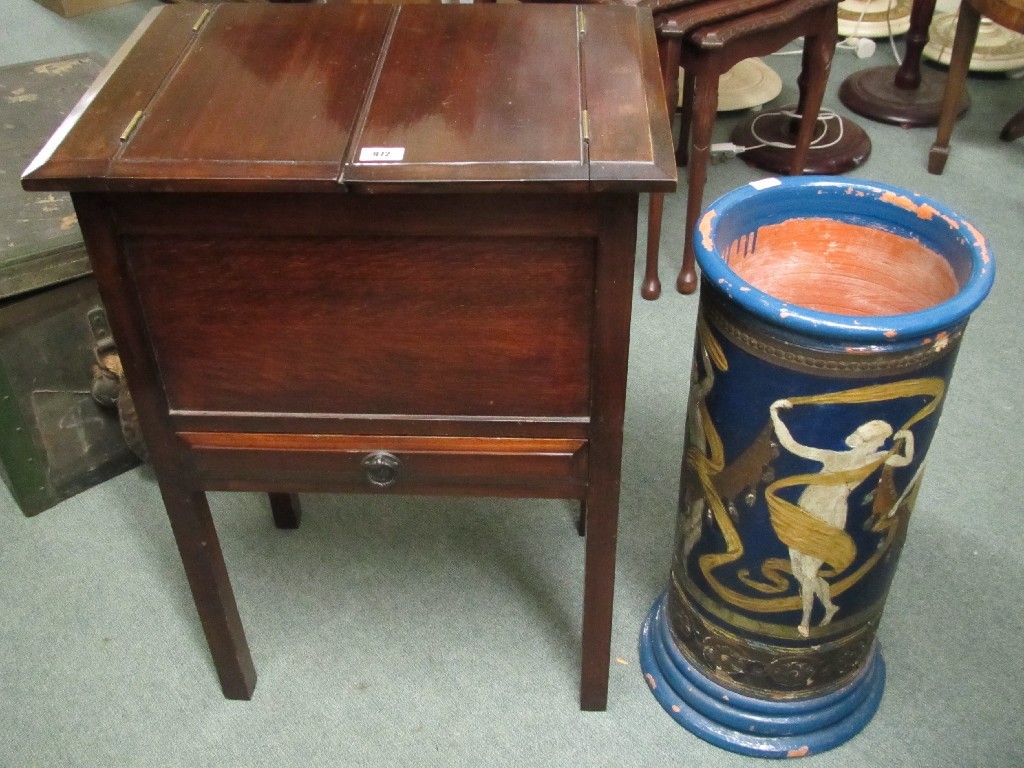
x=524, y=467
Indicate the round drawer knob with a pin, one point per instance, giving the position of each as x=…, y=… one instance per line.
x=381, y=468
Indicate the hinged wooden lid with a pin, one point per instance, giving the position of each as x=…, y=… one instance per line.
x=465, y=95
x=371, y=98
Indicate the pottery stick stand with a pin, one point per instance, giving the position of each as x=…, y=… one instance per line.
x=816, y=389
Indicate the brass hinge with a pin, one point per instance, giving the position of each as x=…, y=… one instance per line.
x=581, y=21
x=131, y=126
x=586, y=125
x=201, y=20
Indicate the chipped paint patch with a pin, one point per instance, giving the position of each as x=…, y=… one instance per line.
x=801, y=752
x=892, y=333
x=651, y=681
x=676, y=708
x=705, y=228
x=921, y=210
x=979, y=242
x=17, y=96
x=56, y=67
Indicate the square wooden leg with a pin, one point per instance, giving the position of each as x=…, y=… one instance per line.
x=211, y=589
x=286, y=509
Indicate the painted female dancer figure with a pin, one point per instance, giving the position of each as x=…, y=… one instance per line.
x=828, y=499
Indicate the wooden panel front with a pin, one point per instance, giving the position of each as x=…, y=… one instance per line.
x=550, y=468
x=369, y=325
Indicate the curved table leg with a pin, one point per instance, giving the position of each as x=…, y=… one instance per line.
x=817, y=61
x=651, y=288
x=686, y=120
x=704, y=107
x=669, y=54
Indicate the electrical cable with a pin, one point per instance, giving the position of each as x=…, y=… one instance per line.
x=824, y=117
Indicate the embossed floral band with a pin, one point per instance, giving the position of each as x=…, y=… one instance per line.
x=830, y=318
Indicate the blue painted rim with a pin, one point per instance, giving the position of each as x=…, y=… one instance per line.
x=732, y=726
x=882, y=206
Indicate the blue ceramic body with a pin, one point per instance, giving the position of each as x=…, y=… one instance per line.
x=806, y=441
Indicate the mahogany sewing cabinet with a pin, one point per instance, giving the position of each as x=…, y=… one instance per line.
x=366, y=248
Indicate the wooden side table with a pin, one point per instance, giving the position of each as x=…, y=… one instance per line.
x=332, y=266
x=708, y=50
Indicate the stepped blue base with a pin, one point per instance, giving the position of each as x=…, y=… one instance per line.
x=748, y=725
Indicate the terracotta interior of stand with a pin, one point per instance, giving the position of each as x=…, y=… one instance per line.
x=842, y=268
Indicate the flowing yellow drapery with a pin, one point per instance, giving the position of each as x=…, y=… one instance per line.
x=795, y=527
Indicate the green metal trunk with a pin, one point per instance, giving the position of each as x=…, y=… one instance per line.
x=55, y=440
